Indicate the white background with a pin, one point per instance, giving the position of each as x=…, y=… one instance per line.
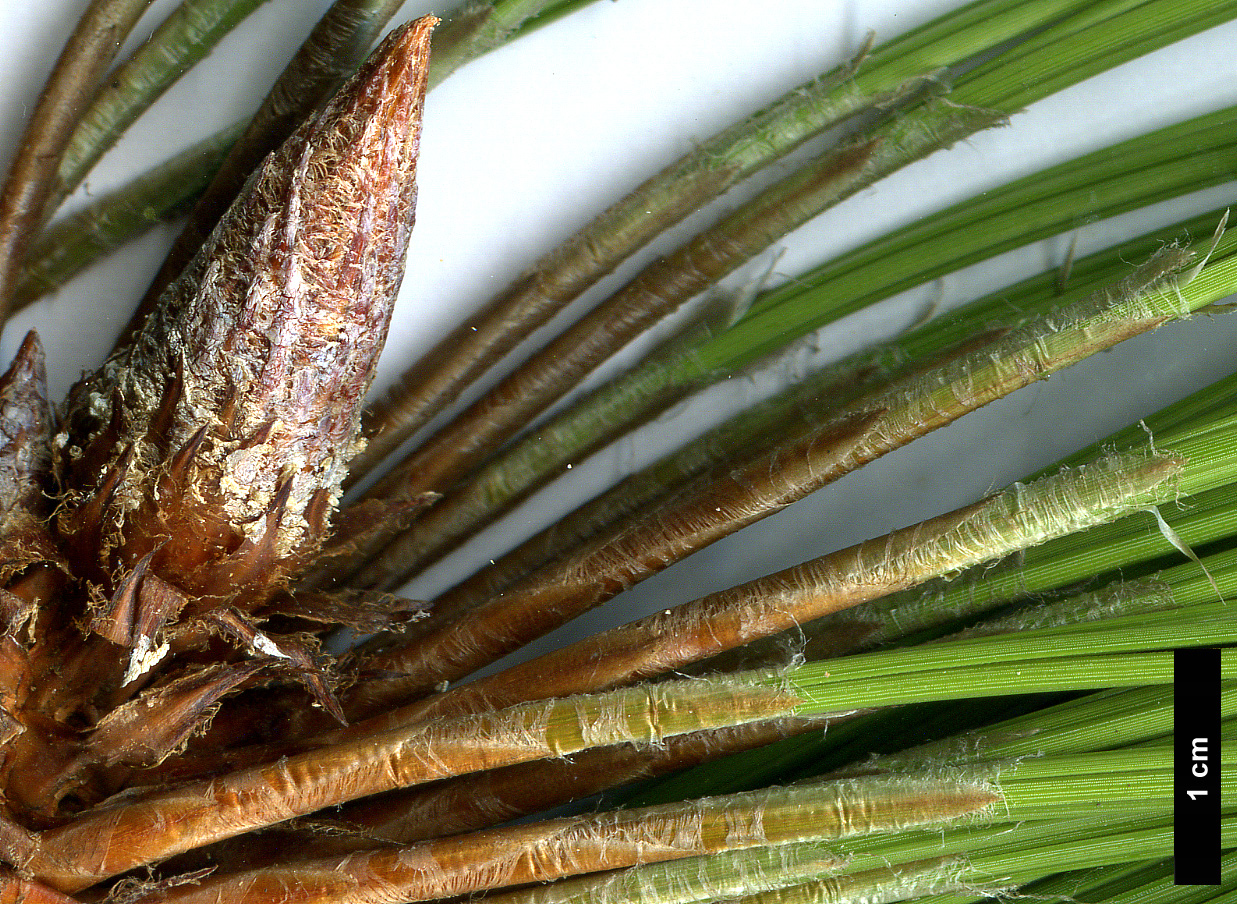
x=522, y=147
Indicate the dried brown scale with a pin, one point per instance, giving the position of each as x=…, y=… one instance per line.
x=30, y=563
x=173, y=710
x=15, y=669
x=115, y=620
x=362, y=610
x=285, y=715
x=141, y=731
x=299, y=654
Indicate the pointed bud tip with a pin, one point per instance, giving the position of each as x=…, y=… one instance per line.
x=25, y=429
x=412, y=39
x=366, y=144
x=28, y=364
x=23, y=388
x=387, y=93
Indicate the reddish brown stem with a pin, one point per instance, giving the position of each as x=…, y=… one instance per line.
x=118, y=838
x=70, y=88
x=480, y=801
x=16, y=889
x=710, y=508
x=564, y=847
x=474, y=802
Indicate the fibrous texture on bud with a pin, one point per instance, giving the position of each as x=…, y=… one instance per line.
x=239, y=397
x=25, y=428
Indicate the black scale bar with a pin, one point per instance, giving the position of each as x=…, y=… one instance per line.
x=1196, y=766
